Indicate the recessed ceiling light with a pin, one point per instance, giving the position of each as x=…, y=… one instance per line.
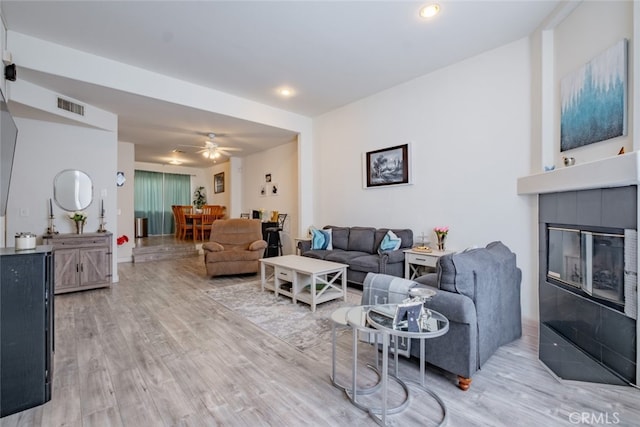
x=429, y=11
x=286, y=92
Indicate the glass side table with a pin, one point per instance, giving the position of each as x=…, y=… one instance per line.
x=375, y=320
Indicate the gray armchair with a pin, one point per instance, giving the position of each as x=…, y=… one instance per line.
x=479, y=292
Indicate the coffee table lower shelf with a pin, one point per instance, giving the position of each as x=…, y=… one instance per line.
x=309, y=280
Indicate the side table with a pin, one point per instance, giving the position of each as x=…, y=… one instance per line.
x=365, y=319
x=414, y=261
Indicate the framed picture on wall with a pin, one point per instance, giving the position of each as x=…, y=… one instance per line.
x=594, y=99
x=387, y=166
x=218, y=183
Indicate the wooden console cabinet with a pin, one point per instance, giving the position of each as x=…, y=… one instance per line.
x=82, y=261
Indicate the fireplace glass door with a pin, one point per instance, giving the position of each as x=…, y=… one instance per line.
x=564, y=256
x=603, y=265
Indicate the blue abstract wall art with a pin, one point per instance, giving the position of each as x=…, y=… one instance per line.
x=594, y=100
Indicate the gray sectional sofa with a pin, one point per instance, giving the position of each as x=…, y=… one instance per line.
x=359, y=247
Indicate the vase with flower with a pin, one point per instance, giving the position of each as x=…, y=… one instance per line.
x=441, y=234
x=79, y=218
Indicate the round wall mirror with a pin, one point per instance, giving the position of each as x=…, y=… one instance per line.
x=72, y=190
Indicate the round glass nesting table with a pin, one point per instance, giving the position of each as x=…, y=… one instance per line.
x=378, y=322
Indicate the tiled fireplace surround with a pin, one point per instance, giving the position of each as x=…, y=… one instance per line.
x=581, y=339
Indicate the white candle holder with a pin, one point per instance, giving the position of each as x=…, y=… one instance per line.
x=102, y=228
x=51, y=229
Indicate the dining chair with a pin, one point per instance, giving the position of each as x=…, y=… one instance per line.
x=186, y=227
x=220, y=211
x=209, y=214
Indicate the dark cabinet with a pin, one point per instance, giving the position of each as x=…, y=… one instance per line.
x=26, y=328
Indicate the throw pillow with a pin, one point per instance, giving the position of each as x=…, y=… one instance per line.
x=390, y=242
x=321, y=239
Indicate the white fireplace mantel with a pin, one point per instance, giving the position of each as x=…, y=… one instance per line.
x=615, y=171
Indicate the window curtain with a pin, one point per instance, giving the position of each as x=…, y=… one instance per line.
x=154, y=193
x=177, y=191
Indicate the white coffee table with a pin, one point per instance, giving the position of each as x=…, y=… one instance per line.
x=305, y=279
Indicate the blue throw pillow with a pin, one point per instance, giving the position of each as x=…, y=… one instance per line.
x=321, y=239
x=390, y=242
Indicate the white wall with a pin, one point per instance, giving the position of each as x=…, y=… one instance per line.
x=3, y=41
x=125, y=211
x=224, y=198
x=281, y=163
x=47, y=57
x=42, y=151
x=469, y=129
x=590, y=29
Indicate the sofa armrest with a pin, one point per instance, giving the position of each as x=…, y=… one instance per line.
x=429, y=279
x=455, y=307
x=304, y=246
x=393, y=256
x=258, y=245
x=212, y=247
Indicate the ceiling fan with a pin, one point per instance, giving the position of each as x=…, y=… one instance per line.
x=212, y=150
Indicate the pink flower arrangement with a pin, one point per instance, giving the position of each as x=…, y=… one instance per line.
x=441, y=231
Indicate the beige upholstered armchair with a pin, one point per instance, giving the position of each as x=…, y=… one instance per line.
x=234, y=247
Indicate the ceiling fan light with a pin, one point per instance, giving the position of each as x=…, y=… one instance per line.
x=205, y=154
x=429, y=11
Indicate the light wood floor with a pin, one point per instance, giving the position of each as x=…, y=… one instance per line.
x=153, y=350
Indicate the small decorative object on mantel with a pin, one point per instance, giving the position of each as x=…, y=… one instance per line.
x=441, y=234
x=569, y=161
x=79, y=217
x=621, y=151
x=549, y=168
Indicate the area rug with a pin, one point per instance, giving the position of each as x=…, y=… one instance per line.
x=295, y=324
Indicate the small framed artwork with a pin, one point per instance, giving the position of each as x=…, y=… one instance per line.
x=275, y=189
x=218, y=183
x=263, y=190
x=267, y=178
x=387, y=166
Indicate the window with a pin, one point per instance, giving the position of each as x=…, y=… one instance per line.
x=155, y=193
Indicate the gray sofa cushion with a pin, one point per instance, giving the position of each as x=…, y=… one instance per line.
x=365, y=263
x=339, y=237
x=458, y=272
x=361, y=239
x=344, y=257
x=318, y=253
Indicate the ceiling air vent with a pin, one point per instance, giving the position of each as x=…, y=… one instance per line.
x=72, y=107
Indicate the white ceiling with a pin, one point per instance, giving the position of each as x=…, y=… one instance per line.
x=330, y=52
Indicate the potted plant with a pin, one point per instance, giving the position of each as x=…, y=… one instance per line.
x=199, y=198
